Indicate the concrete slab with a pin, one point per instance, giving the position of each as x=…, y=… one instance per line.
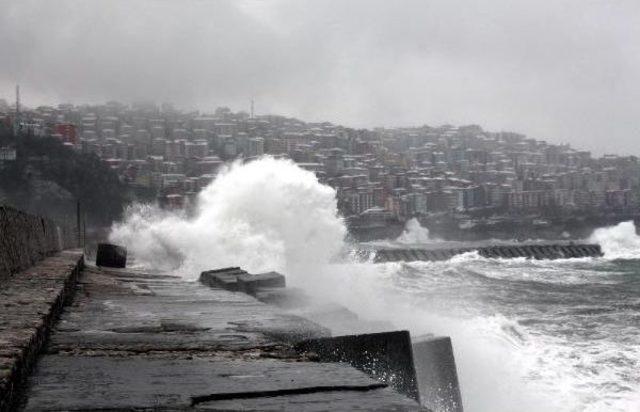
x=251, y=284
x=225, y=278
x=114, y=310
x=94, y=383
x=134, y=340
x=383, y=399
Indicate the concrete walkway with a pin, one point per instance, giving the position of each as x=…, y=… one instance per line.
x=136, y=341
x=30, y=302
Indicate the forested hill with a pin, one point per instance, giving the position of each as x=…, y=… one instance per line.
x=48, y=178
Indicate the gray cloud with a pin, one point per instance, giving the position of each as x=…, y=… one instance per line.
x=566, y=71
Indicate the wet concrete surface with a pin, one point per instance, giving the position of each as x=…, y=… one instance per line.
x=143, y=341
x=30, y=301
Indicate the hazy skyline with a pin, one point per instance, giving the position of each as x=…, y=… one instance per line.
x=565, y=72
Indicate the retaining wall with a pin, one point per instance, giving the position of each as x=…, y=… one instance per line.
x=26, y=239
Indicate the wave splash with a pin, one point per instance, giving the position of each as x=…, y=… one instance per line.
x=618, y=242
x=414, y=233
x=268, y=214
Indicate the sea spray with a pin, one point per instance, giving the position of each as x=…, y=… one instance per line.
x=263, y=215
x=393, y=292
x=414, y=233
x=618, y=242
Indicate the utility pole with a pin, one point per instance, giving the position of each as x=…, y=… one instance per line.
x=16, y=121
x=78, y=224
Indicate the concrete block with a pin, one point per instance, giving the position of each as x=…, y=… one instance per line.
x=250, y=284
x=288, y=298
x=386, y=356
x=437, y=378
x=596, y=250
x=111, y=256
x=519, y=252
x=225, y=278
x=223, y=270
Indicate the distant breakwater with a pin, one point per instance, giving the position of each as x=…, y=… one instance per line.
x=538, y=251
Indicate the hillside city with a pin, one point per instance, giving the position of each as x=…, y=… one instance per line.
x=383, y=174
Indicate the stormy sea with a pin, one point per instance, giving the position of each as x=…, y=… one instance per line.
x=528, y=335
x=535, y=335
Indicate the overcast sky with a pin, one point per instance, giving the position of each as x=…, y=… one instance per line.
x=564, y=71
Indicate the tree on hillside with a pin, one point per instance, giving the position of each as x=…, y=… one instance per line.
x=83, y=177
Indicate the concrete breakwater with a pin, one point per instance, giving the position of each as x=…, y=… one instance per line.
x=133, y=340
x=534, y=251
x=421, y=368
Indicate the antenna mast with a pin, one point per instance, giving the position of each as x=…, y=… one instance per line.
x=16, y=123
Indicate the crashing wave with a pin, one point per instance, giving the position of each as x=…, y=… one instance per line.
x=618, y=242
x=268, y=214
x=414, y=233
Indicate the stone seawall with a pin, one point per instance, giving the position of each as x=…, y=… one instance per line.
x=26, y=239
x=552, y=251
x=30, y=303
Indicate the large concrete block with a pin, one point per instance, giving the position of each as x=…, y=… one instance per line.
x=250, y=284
x=436, y=374
x=386, y=356
x=225, y=278
x=238, y=280
x=111, y=256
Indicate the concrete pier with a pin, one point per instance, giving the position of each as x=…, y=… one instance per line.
x=533, y=251
x=147, y=341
